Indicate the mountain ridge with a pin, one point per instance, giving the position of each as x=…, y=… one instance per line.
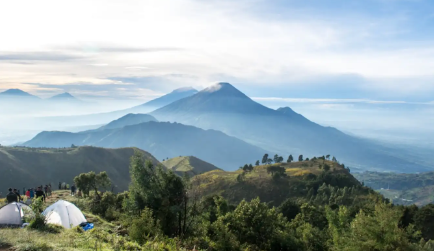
x=161, y=139
x=225, y=108
x=29, y=167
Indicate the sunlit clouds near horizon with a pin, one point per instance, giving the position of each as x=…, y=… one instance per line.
x=375, y=49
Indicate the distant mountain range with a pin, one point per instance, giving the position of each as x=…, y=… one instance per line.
x=162, y=140
x=223, y=107
x=25, y=167
x=20, y=94
x=103, y=118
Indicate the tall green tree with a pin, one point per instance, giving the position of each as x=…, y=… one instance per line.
x=161, y=191
x=290, y=158
x=92, y=181
x=257, y=163
x=300, y=158
x=265, y=158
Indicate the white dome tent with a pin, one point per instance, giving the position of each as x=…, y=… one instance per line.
x=12, y=215
x=65, y=214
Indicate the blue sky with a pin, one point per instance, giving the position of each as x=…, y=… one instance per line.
x=371, y=49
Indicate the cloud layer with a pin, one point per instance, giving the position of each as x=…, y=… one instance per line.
x=371, y=49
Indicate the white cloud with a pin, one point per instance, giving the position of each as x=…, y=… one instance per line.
x=201, y=39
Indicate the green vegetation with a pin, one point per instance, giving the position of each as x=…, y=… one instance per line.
x=284, y=206
x=23, y=167
x=188, y=164
x=401, y=188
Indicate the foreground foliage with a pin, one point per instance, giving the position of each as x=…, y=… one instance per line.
x=315, y=208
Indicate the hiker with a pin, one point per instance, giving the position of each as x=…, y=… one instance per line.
x=40, y=193
x=28, y=193
x=79, y=193
x=60, y=185
x=11, y=196
x=17, y=192
x=72, y=190
x=32, y=193
x=46, y=190
x=49, y=190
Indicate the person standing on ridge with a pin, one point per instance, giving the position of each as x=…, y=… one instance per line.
x=60, y=185
x=40, y=193
x=72, y=190
x=18, y=194
x=28, y=193
x=11, y=196
x=49, y=190
x=32, y=193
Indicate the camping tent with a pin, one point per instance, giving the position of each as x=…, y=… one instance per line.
x=64, y=213
x=12, y=215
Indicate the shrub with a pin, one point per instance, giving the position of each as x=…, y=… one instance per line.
x=144, y=227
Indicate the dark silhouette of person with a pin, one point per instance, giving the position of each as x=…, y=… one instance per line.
x=40, y=193
x=17, y=192
x=11, y=196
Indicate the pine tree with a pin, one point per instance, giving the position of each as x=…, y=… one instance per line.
x=265, y=158
x=290, y=158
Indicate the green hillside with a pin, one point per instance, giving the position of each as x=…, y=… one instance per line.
x=302, y=206
x=189, y=164
x=301, y=182
x=22, y=167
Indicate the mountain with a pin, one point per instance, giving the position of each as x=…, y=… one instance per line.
x=162, y=140
x=129, y=119
x=223, y=107
x=189, y=164
x=27, y=167
x=106, y=117
x=64, y=97
x=16, y=93
x=164, y=100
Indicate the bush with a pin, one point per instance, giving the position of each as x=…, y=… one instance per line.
x=144, y=227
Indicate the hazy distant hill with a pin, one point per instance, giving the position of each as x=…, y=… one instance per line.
x=129, y=119
x=401, y=188
x=175, y=95
x=17, y=96
x=63, y=97
x=223, y=107
x=25, y=167
x=162, y=140
x=106, y=117
x=189, y=164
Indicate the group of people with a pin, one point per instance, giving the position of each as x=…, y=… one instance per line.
x=14, y=195
x=38, y=192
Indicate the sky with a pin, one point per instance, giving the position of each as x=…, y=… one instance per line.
x=375, y=50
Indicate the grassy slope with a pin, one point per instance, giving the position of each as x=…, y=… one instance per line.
x=27, y=167
x=189, y=164
x=260, y=183
x=69, y=239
